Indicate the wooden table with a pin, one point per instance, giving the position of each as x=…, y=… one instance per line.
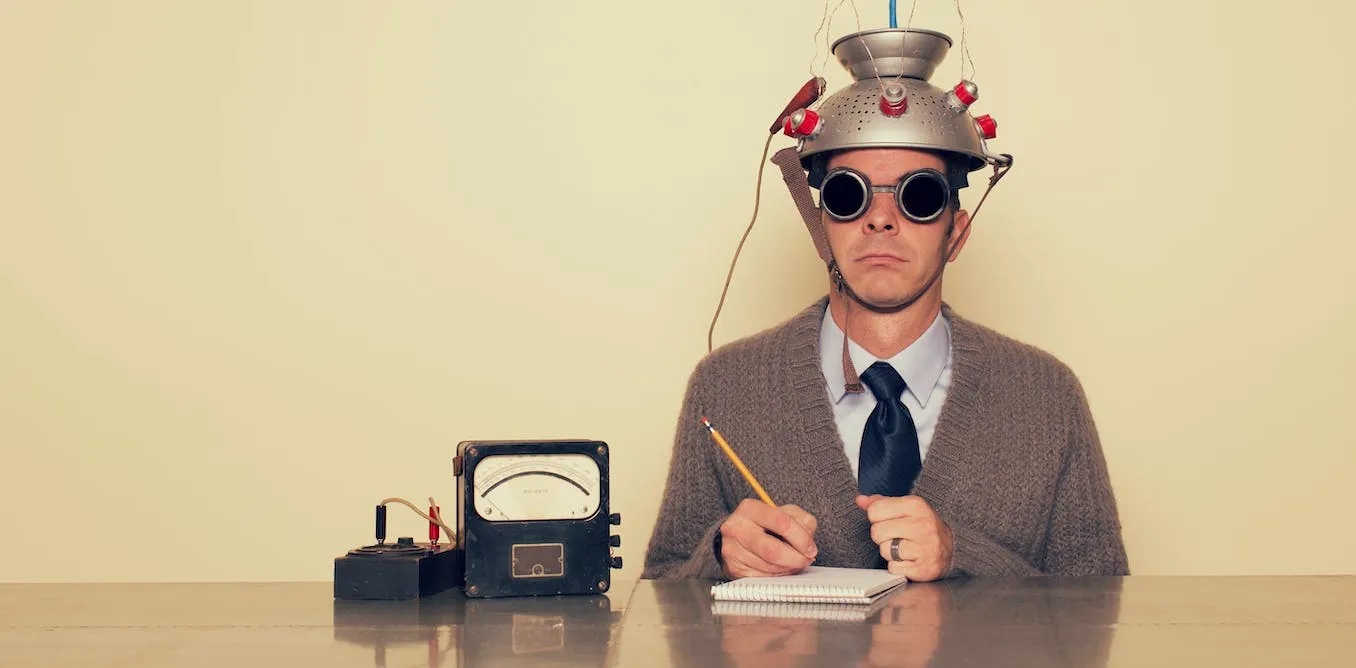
x=1135, y=621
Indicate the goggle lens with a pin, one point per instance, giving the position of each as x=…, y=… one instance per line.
x=843, y=195
x=923, y=196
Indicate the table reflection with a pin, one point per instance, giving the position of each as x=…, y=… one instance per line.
x=1047, y=622
x=457, y=631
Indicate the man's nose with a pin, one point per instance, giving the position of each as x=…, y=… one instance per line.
x=880, y=215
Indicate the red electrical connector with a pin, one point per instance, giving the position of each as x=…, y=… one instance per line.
x=894, y=100
x=962, y=96
x=433, y=526
x=987, y=126
x=802, y=123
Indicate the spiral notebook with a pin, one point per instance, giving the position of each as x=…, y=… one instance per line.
x=816, y=584
x=833, y=612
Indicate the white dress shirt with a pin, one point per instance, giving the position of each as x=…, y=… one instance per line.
x=925, y=366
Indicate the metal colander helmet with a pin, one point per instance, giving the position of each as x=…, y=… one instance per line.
x=891, y=104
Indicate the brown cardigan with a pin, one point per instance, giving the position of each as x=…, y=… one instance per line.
x=1015, y=467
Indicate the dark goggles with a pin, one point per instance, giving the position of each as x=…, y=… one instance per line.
x=921, y=196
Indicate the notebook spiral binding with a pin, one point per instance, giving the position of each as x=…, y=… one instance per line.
x=743, y=591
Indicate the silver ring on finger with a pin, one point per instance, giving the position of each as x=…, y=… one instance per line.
x=894, y=549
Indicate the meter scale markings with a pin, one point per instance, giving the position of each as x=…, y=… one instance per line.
x=536, y=487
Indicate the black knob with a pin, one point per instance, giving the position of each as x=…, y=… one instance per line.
x=404, y=540
x=614, y=518
x=616, y=562
x=614, y=541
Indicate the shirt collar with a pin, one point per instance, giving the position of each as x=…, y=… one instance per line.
x=920, y=364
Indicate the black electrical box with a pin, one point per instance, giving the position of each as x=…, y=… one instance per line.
x=404, y=570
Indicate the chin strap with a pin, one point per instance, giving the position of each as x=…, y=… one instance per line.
x=1000, y=169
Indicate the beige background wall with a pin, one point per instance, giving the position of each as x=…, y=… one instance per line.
x=265, y=263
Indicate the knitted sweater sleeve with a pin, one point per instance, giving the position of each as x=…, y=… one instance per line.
x=1084, y=537
x=1084, y=532
x=693, y=506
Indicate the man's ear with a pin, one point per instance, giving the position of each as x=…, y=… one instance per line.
x=960, y=231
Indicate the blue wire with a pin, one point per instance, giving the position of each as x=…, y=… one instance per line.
x=893, y=22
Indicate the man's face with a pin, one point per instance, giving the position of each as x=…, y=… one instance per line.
x=885, y=257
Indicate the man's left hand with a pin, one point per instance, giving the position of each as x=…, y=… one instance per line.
x=924, y=545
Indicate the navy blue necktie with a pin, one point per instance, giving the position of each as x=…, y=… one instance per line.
x=889, y=459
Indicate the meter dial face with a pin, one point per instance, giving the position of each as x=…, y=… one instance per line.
x=515, y=488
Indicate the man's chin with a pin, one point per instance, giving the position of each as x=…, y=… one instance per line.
x=884, y=299
x=879, y=289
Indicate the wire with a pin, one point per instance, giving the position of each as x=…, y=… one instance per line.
x=451, y=535
x=908, y=24
x=757, y=197
x=815, y=56
x=870, y=58
x=965, y=47
x=828, y=36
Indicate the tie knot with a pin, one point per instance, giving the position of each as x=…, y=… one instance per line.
x=884, y=381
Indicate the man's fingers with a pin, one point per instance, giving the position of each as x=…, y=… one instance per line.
x=780, y=523
x=884, y=530
x=909, y=528
x=746, y=564
x=865, y=502
x=916, y=571
x=769, y=550
x=800, y=515
x=777, y=553
x=735, y=533
x=891, y=507
x=908, y=550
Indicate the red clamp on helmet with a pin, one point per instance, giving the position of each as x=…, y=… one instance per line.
x=802, y=123
x=962, y=96
x=987, y=126
x=894, y=100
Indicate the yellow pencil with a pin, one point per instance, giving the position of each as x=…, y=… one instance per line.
x=729, y=452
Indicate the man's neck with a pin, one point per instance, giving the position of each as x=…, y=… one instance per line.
x=884, y=334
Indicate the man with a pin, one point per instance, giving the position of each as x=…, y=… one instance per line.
x=960, y=452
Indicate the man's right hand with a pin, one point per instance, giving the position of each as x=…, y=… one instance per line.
x=759, y=540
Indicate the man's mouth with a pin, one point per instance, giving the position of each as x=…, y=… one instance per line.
x=879, y=258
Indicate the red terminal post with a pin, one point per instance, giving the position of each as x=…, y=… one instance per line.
x=987, y=126
x=806, y=96
x=894, y=100
x=803, y=123
x=962, y=96
x=433, y=526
